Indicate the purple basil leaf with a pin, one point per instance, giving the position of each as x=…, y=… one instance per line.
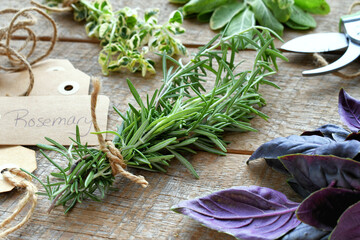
x=288, y=145
x=347, y=149
x=334, y=132
x=305, y=145
x=349, y=111
x=244, y=212
x=348, y=224
x=323, y=208
x=331, y=131
x=306, y=232
x=314, y=172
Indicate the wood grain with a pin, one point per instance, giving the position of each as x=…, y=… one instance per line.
x=131, y=212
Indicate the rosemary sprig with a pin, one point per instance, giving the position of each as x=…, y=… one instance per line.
x=126, y=39
x=181, y=117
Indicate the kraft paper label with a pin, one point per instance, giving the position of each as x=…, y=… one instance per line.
x=27, y=120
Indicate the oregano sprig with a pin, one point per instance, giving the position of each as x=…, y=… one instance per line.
x=180, y=118
x=125, y=37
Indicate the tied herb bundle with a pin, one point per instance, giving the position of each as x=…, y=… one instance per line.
x=126, y=39
x=178, y=119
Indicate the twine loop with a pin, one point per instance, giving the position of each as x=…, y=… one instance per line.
x=118, y=166
x=16, y=58
x=19, y=179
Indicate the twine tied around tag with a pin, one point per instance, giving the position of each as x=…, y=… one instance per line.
x=19, y=179
x=19, y=61
x=118, y=166
x=321, y=61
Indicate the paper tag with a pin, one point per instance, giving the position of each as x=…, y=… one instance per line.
x=52, y=77
x=18, y=157
x=27, y=120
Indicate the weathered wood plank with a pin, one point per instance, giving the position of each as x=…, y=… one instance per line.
x=196, y=33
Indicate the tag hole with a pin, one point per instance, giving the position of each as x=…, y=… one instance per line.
x=68, y=87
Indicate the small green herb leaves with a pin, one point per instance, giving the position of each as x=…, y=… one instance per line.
x=126, y=39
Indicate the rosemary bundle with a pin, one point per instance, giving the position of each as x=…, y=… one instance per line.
x=180, y=118
x=126, y=39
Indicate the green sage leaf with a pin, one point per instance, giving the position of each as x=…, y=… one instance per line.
x=223, y=14
x=314, y=6
x=280, y=8
x=301, y=18
x=264, y=16
x=197, y=6
x=241, y=22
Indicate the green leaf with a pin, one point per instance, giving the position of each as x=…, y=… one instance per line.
x=301, y=18
x=241, y=22
x=160, y=145
x=264, y=16
x=185, y=162
x=176, y=17
x=296, y=26
x=89, y=178
x=135, y=93
x=197, y=6
x=223, y=14
x=314, y=6
x=281, y=9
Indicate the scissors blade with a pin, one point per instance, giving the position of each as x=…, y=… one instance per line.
x=317, y=42
x=350, y=55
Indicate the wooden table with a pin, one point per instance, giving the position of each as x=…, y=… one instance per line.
x=135, y=213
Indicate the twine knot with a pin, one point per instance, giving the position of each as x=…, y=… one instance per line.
x=19, y=179
x=113, y=154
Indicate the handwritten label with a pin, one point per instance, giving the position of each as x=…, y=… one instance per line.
x=52, y=77
x=15, y=156
x=27, y=120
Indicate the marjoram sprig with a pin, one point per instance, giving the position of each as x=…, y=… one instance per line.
x=125, y=37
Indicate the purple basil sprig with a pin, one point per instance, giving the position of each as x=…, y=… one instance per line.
x=349, y=111
x=245, y=212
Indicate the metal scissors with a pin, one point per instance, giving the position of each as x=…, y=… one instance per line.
x=348, y=38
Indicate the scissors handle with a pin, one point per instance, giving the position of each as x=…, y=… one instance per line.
x=350, y=25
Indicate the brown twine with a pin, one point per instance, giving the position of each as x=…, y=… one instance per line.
x=321, y=61
x=66, y=6
x=116, y=160
x=19, y=61
x=30, y=197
